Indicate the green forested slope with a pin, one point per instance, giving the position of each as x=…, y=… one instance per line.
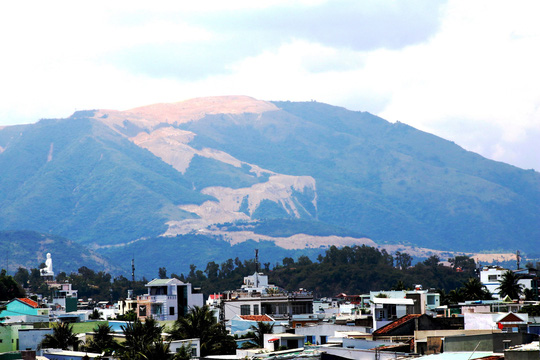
x=77, y=178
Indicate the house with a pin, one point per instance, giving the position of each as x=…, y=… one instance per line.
x=9, y=336
x=241, y=324
x=273, y=342
x=193, y=346
x=322, y=333
x=496, y=342
x=24, y=310
x=257, y=297
x=29, y=339
x=523, y=352
x=408, y=324
x=387, y=310
x=507, y=322
x=167, y=299
x=65, y=296
x=491, y=277
x=424, y=300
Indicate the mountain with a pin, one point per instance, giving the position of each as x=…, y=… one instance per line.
x=298, y=175
x=28, y=249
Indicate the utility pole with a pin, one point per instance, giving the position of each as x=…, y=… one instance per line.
x=257, y=260
x=518, y=258
x=133, y=269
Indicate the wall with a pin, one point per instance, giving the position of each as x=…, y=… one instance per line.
x=29, y=339
x=327, y=330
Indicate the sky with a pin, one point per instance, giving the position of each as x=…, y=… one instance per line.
x=467, y=71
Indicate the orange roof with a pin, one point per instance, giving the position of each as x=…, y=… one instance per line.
x=28, y=301
x=256, y=317
x=402, y=320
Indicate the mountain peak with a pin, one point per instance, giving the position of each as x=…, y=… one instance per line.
x=185, y=111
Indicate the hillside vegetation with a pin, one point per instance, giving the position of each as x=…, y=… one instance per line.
x=341, y=173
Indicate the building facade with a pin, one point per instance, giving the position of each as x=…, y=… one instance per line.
x=167, y=299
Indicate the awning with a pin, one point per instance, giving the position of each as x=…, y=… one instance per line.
x=273, y=339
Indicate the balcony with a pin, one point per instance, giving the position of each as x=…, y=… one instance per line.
x=156, y=298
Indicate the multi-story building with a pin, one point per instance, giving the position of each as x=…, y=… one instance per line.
x=491, y=277
x=167, y=299
x=257, y=297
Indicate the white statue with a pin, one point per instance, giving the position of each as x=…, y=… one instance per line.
x=48, y=270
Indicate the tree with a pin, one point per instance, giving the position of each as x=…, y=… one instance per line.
x=509, y=285
x=201, y=323
x=62, y=337
x=139, y=339
x=22, y=276
x=288, y=262
x=473, y=289
x=9, y=289
x=399, y=286
x=465, y=263
x=259, y=331
x=103, y=341
x=432, y=261
x=95, y=315
x=162, y=273
x=402, y=260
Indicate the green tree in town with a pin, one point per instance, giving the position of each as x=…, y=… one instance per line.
x=22, y=276
x=162, y=273
x=139, y=339
x=201, y=323
x=62, y=337
x=95, y=315
x=473, y=289
x=259, y=331
x=9, y=289
x=509, y=285
x=102, y=341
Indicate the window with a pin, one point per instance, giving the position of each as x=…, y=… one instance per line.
x=492, y=277
x=282, y=309
x=171, y=310
x=142, y=310
x=244, y=310
x=431, y=300
x=255, y=309
x=323, y=340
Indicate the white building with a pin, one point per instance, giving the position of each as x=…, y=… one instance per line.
x=424, y=300
x=491, y=277
x=257, y=297
x=387, y=310
x=167, y=299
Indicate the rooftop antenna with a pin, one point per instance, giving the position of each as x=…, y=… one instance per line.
x=133, y=268
x=518, y=258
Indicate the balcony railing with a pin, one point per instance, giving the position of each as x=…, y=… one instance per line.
x=156, y=298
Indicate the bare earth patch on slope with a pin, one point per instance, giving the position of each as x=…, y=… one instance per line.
x=147, y=117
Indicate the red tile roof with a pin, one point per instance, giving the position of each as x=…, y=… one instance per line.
x=28, y=301
x=395, y=324
x=256, y=317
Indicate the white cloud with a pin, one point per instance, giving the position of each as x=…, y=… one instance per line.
x=467, y=71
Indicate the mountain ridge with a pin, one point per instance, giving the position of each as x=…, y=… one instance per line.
x=105, y=177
